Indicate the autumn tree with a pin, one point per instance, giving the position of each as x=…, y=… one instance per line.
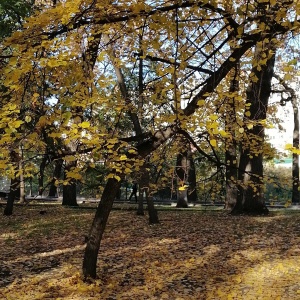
x=189, y=46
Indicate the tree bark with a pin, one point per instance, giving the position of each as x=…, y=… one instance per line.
x=13, y=194
x=181, y=172
x=98, y=227
x=186, y=175
x=192, y=188
x=144, y=188
x=250, y=198
x=41, y=175
x=230, y=145
x=140, y=209
x=295, y=167
x=153, y=216
x=69, y=190
x=14, y=189
x=58, y=164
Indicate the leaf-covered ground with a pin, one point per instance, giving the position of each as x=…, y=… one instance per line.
x=189, y=255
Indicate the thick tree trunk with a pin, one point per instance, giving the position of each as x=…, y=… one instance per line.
x=153, y=216
x=69, y=191
x=98, y=227
x=69, y=194
x=250, y=199
x=140, y=209
x=12, y=196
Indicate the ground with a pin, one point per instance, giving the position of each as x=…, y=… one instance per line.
x=191, y=254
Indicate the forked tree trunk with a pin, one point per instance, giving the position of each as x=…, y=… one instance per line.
x=250, y=198
x=144, y=191
x=98, y=227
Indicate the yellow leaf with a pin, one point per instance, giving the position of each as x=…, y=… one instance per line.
x=213, y=143
x=182, y=188
x=201, y=102
x=287, y=77
x=241, y=130
x=27, y=119
x=132, y=151
x=213, y=117
x=247, y=113
x=117, y=177
x=85, y=124
x=123, y=157
x=223, y=133
x=16, y=124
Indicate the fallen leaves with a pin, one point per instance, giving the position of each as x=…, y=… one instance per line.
x=189, y=255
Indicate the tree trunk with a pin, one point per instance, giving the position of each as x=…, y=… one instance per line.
x=181, y=172
x=231, y=176
x=105, y=205
x=14, y=189
x=69, y=190
x=22, y=183
x=250, y=198
x=153, y=216
x=140, y=209
x=192, y=183
x=98, y=227
x=230, y=145
x=41, y=175
x=144, y=192
x=12, y=196
x=144, y=187
x=56, y=175
x=295, y=167
x=186, y=176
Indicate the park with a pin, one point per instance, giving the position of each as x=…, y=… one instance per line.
x=149, y=149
